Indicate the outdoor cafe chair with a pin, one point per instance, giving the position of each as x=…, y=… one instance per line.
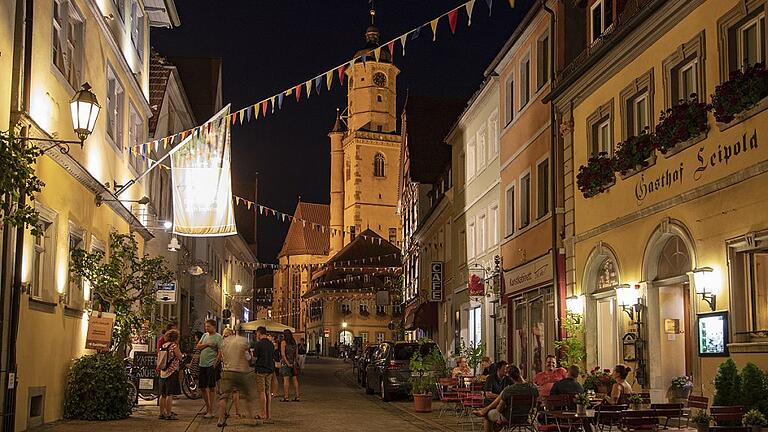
x=727, y=415
x=608, y=416
x=520, y=414
x=695, y=402
x=669, y=411
x=640, y=420
x=470, y=401
x=446, y=391
x=554, y=419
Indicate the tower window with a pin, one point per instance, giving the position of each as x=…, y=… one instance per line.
x=378, y=98
x=378, y=165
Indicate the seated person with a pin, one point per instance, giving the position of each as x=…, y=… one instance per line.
x=545, y=379
x=568, y=385
x=497, y=382
x=621, y=390
x=486, y=368
x=462, y=368
x=498, y=410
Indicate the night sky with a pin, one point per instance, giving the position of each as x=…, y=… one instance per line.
x=270, y=45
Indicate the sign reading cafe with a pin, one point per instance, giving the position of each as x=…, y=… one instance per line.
x=436, y=281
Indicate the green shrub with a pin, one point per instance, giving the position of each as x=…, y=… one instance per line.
x=96, y=389
x=727, y=385
x=754, y=388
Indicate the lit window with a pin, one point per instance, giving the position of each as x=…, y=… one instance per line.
x=136, y=136
x=74, y=294
x=687, y=82
x=115, y=109
x=751, y=41
x=42, y=262
x=379, y=337
x=68, y=37
x=640, y=114
x=602, y=18
x=393, y=235
x=601, y=137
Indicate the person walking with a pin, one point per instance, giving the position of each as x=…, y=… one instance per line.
x=235, y=375
x=169, y=374
x=288, y=365
x=209, y=349
x=264, y=366
x=302, y=355
x=228, y=332
x=317, y=349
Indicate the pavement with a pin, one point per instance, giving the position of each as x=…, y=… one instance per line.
x=330, y=401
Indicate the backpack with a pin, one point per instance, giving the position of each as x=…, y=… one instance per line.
x=163, y=357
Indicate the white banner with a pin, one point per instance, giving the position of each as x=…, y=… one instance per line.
x=202, y=181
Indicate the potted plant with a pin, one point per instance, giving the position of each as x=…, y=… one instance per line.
x=745, y=89
x=702, y=420
x=635, y=400
x=681, y=387
x=582, y=401
x=681, y=123
x=596, y=176
x=635, y=154
x=422, y=383
x=474, y=354
x=599, y=380
x=754, y=419
x=572, y=349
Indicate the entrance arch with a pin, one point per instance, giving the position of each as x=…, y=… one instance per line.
x=668, y=259
x=601, y=276
x=345, y=337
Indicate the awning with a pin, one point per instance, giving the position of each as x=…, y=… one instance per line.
x=272, y=326
x=421, y=315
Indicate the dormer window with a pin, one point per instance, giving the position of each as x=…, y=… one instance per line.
x=601, y=14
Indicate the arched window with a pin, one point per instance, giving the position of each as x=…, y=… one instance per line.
x=378, y=165
x=675, y=260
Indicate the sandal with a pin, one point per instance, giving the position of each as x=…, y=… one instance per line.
x=296, y=399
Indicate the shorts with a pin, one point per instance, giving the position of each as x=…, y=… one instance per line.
x=207, y=378
x=495, y=416
x=170, y=386
x=264, y=382
x=287, y=371
x=242, y=382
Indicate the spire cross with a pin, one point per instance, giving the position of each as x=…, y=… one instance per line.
x=373, y=11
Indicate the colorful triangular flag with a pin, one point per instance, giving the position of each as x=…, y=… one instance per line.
x=256, y=111
x=329, y=79
x=433, y=24
x=280, y=100
x=377, y=53
x=469, y=5
x=340, y=70
x=512, y=3
x=264, y=108
x=490, y=6
x=250, y=112
x=403, y=40
x=318, y=83
x=297, y=90
x=391, y=48
x=308, y=86
x=452, y=18
x=416, y=33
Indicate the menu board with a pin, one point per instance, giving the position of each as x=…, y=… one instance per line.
x=144, y=364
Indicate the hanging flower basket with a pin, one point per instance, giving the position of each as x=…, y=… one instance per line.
x=743, y=95
x=596, y=176
x=680, y=124
x=635, y=154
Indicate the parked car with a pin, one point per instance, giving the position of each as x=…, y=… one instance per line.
x=388, y=372
x=362, y=363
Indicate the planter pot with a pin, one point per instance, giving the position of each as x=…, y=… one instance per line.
x=637, y=407
x=422, y=403
x=685, y=144
x=681, y=393
x=651, y=162
x=740, y=117
x=581, y=409
x=702, y=427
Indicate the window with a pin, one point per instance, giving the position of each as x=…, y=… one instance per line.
x=393, y=235
x=602, y=18
x=471, y=240
x=542, y=188
x=74, y=295
x=379, y=337
x=471, y=159
x=345, y=308
x=475, y=327
x=43, y=261
x=525, y=81
x=510, y=101
x=493, y=225
x=480, y=149
x=684, y=72
x=381, y=310
x=750, y=41
x=600, y=130
x=115, y=109
x=482, y=224
x=137, y=28
x=542, y=60
x=756, y=268
x=348, y=169
x=363, y=308
x=136, y=135
x=493, y=135
x=637, y=106
x=510, y=211
x=68, y=37
x=742, y=31
x=378, y=165
x=364, y=337
x=351, y=232
x=525, y=200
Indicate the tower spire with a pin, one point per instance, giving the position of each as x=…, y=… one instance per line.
x=373, y=12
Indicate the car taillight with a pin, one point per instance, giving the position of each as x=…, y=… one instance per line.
x=395, y=364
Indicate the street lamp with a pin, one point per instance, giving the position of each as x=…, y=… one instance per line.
x=575, y=305
x=344, y=325
x=84, y=108
x=238, y=288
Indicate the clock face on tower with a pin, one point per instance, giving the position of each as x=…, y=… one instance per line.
x=380, y=79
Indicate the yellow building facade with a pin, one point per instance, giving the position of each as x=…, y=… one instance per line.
x=650, y=251
x=57, y=46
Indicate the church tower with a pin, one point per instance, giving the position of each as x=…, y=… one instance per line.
x=365, y=155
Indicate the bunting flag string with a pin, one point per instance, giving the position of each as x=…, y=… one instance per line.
x=251, y=112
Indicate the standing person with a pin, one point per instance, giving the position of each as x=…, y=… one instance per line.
x=264, y=365
x=235, y=394
x=169, y=375
x=288, y=365
x=548, y=377
x=161, y=339
x=302, y=359
x=236, y=374
x=209, y=349
x=317, y=349
x=621, y=390
x=276, y=364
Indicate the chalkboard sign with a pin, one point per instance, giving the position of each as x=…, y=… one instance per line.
x=144, y=364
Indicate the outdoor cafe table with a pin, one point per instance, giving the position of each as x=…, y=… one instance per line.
x=587, y=419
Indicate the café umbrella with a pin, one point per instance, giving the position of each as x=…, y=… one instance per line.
x=271, y=326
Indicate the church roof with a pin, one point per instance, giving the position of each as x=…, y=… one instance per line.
x=372, y=37
x=159, y=72
x=427, y=121
x=308, y=233
x=366, y=245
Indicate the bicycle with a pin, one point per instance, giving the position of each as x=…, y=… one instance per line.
x=188, y=378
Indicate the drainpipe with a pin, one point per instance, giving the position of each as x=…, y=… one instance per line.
x=553, y=176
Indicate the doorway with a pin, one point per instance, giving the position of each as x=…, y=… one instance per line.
x=534, y=328
x=675, y=339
